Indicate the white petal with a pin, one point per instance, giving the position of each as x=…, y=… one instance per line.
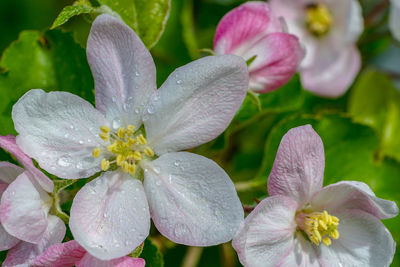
x=304, y=254
x=363, y=241
x=7, y=241
x=23, y=254
x=23, y=210
x=110, y=216
x=196, y=103
x=122, y=67
x=267, y=235
x=394, y=19
x=192, y=200
x=9, y=172
x=353, y=195
x=59, y=130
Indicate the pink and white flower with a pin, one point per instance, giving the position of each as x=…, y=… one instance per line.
x=27, y=228
x=72, y=254
x=394, y=19
x=303, y=224
x=329, y=31
x=135, y=133
x=252, y=30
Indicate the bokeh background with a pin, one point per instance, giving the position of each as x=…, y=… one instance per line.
x=360, y=130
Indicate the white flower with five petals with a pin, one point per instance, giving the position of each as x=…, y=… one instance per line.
x=134, y=133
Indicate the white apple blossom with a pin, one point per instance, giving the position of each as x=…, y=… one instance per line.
x=134, y=135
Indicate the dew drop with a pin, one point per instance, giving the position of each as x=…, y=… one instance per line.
x=136, y=73
x=105, y=215
x=179, y=81
x=136, y=110
x=80, y=142
x=116, y=123
x=150, y=109
x=64, y=161
x=177, y=163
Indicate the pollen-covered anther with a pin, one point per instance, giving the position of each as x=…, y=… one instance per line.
x=318, y=19
x=124, y=148
x=319, y=226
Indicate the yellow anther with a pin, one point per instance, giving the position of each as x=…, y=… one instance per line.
x=319, y=226
x=141, y=139
x=334, y=234
x=131, y=141
x=136, y=155
x=130, y=129
x=125, y=166
x=132, y=169
x=105, y=164
x=104, y=136
x=318, y=19
x=120, y=159
x=149, y=152
x=327, y=241
x=96, y=152
x=121, y=132
x=112, y=147
x=105, y=129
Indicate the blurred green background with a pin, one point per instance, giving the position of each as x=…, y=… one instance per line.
x=360, y=130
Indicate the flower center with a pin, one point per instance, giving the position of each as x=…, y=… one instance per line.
x=319, y=226
x=125, y=148
x=318, y=19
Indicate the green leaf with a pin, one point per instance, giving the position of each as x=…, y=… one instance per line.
x=375, y=102
x=151, y=254
x=78, y=8
x=50, y=61
x=146, y=17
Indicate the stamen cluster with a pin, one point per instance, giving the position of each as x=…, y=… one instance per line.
x=318, y=19
x=126, y=148
x=319, y=227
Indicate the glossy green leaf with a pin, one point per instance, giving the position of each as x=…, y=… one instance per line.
x=78, y=8
x=145, y=17
x=50, y=61
x=375, y=102
x=151, y=254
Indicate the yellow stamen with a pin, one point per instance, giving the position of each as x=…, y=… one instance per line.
x=104, y=136
x=141, y=140
x=105, y=164
x=318, y=19
x=105, y=129
x=96, y=152
x=126, y=147
x=149, y=152
x=121, y=132
x=319, y=226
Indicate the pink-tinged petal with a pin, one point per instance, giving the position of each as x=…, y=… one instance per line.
x=61, y=255
x=267, y=236
x=110, y=215
x=304, y=254
x=192, y=200
x=363, y=241
x=348, y=21
x=278, y=56
x=9, y=144
x=331, y=76
x=122, y=67
x=298, y=169
x=394, y=19
x=126, y=261
x=23, y=210
x=25, y=253
x=59, y=130
x=7, y=241
x=355, y=196
x=196, y=103
x=9, y=172
x=243, y=26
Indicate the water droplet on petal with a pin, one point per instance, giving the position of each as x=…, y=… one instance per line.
x=116, y=123
x=150, y=109
x=137, y=110
x=64, y=161
x=177, y=163
x=179, y=81
x=137, y=74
